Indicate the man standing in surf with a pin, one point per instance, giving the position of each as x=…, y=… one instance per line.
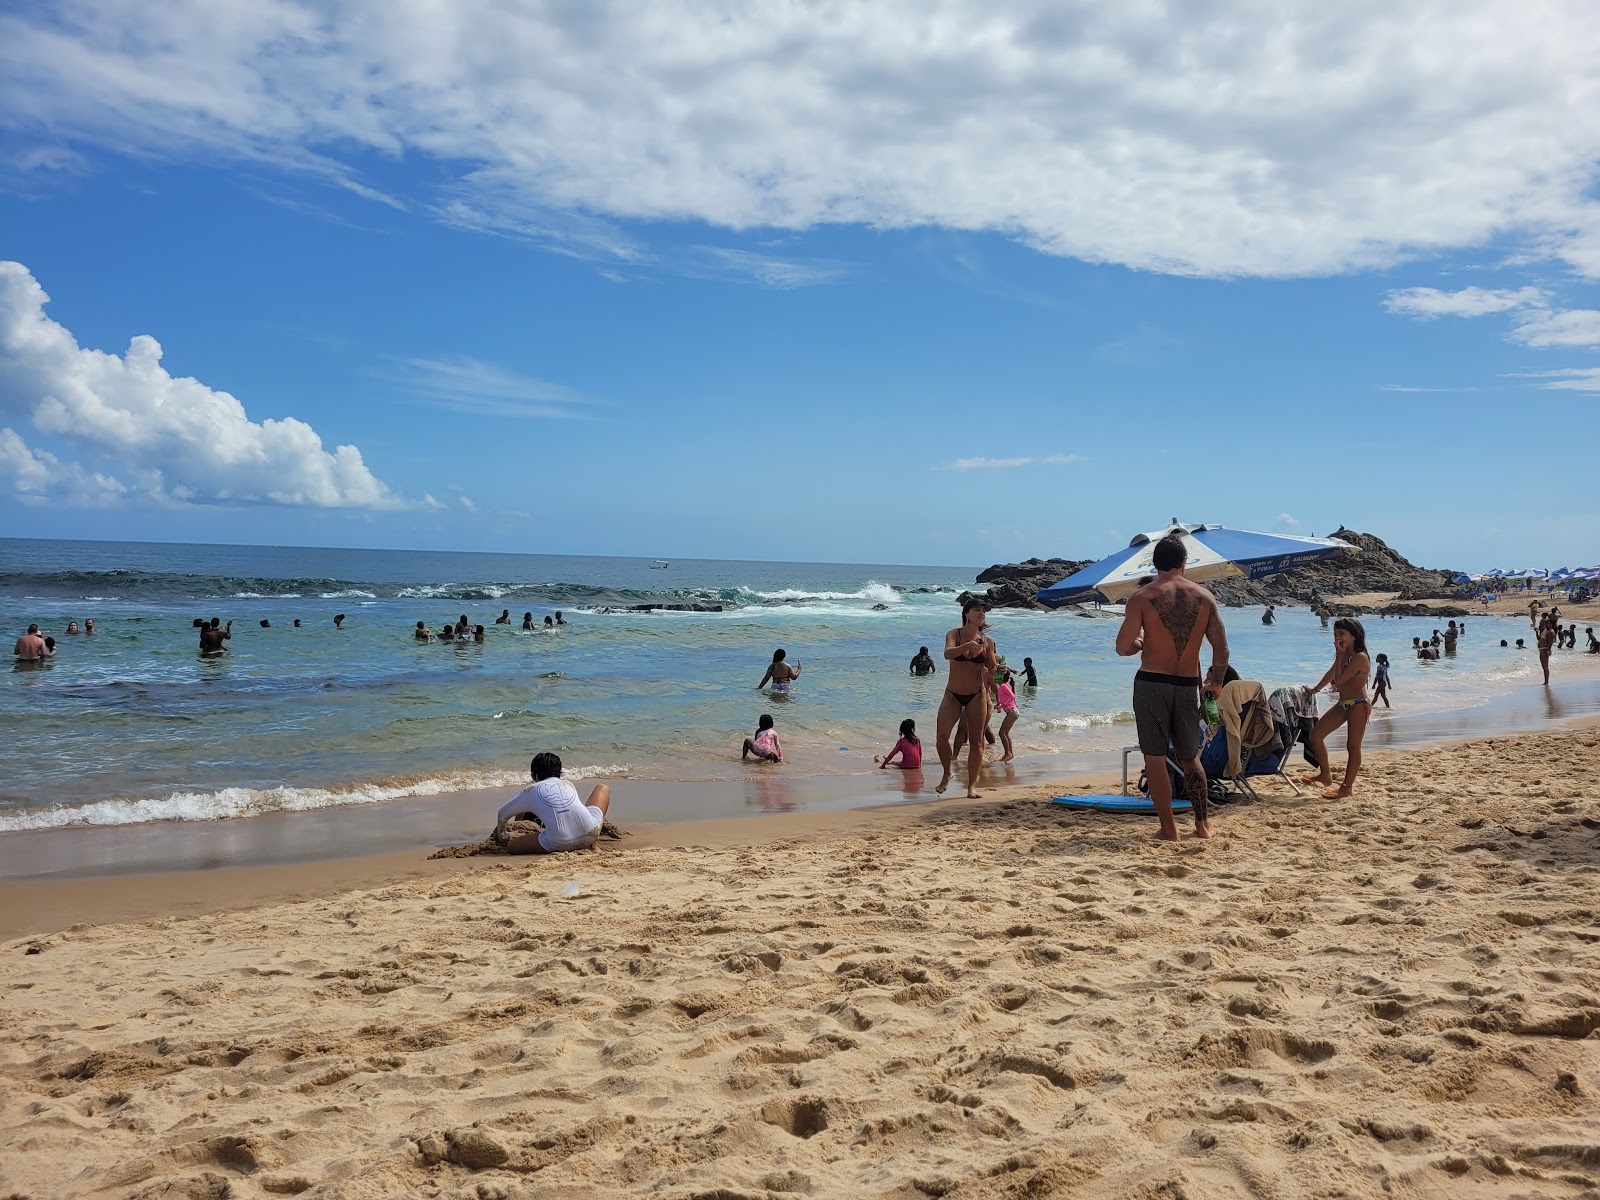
x=1165, y=622
x=965, y=703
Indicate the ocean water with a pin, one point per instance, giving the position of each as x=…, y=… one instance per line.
x=131, y=725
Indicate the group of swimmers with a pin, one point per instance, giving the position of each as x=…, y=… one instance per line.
x=463, y=631
x=37, y=647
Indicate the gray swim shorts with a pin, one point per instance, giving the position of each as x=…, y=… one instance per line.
x=1166, y=708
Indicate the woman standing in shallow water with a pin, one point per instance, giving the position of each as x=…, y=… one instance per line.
x=965, y=702
x=1348, y=674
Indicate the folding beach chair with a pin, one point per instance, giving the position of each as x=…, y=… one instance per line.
x=1263, y=745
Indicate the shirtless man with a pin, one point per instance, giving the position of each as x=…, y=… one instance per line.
x=965, y=702
x=1165, y=622
x=781, y=674
x=212, y=636
x=30, y=646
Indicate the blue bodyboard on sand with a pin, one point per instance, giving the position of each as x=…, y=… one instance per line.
x=1115, y=803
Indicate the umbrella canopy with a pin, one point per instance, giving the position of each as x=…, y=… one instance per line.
x=1214, y=553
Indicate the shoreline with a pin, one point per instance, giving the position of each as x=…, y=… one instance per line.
x=422, y=823
x=45, y=882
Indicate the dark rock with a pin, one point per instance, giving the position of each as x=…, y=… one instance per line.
x=1376, y=568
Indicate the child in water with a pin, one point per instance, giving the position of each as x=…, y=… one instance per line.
x=909, y=748
x=1349, y=675
x=1006, y=698
x=1380, y=681
x=765, y=745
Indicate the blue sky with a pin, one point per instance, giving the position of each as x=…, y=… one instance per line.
x=942, y=283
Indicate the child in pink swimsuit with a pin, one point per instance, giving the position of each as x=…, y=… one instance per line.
x=909, y=748
x=1006, y=698
x=765, y=745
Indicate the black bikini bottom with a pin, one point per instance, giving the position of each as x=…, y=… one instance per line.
x=960, y=699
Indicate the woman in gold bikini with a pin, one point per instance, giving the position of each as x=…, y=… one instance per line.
x=1349, y=675
x=965, y=702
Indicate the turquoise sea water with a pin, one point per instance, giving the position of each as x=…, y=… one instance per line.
x=131, y=725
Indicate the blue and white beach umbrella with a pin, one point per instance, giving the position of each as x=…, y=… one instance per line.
x=1214, y=553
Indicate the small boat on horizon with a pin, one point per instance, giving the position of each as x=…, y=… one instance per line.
x=660, y=564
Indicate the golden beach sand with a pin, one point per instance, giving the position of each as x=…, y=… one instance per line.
x=1392, y=997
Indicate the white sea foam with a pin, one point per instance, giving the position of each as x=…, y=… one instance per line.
x=1085, y=720
x=351, y=594
x=247, y=802
x=873, y=591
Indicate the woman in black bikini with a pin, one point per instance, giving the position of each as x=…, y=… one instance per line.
x=970, y=654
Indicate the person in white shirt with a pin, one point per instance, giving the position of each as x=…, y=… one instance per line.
x=569, y=823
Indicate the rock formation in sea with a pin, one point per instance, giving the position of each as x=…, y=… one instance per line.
x=1375, y=568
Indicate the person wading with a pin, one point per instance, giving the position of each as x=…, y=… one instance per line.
x=1165, y=622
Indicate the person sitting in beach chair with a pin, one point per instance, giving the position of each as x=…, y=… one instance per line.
x=567, y=823
x=1247, y=740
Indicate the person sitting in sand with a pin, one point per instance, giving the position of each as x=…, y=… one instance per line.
x=527, y=622
x=780, y=672
x=765, y=745
x=965, y=703
x=569, y=823
x=923, y=664
x=1380, y=682
x=30, y=646
x=908, y=749
x=212, y=636
x=504, y=618
x=1348, y=675
x=1165, y=623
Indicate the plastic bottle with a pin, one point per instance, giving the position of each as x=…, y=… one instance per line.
x=1208, y=706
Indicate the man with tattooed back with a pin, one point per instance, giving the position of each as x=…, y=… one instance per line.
x=1166, y=621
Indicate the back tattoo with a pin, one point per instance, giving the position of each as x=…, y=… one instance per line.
x=1178, y=609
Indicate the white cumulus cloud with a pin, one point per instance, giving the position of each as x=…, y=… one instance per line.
x=1255, y=138
x=173, y=439
x=1566, y=327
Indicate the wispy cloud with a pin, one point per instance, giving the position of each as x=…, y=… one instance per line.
x=1567, y=379
x=469, y=386
x=1538, y=323
x=1403, y=387
x=1286, y=519
x=1426, y=303
x=772, y=271
x=1572, y=327
x=1009, y=464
